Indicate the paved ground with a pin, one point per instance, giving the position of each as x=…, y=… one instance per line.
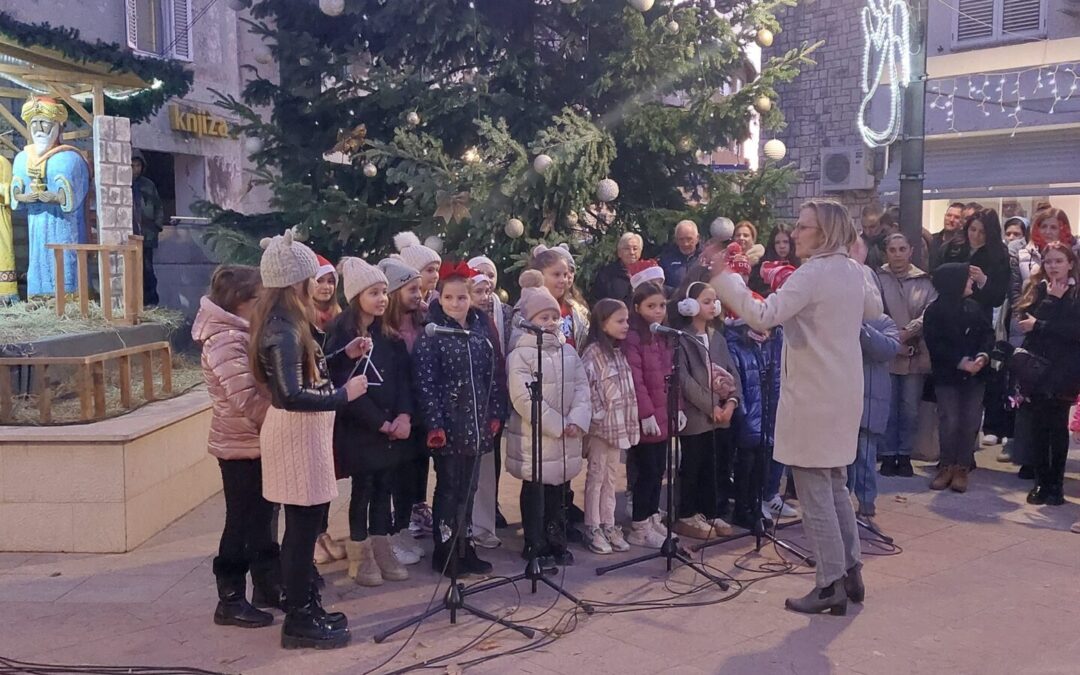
x=985, y=584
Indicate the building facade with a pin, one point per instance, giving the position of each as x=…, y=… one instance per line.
x=190, y=149
x=1002, y=107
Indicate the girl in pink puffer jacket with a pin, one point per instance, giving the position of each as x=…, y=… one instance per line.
x=248, y=542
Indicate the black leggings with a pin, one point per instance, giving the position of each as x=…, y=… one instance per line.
x=544, y=524
x=455, y=488
x=409, y=488
x=700, y=477
x=369, y=507
x=1049, y=444
x=650, y=460
x=248, y=535
x=298, y=549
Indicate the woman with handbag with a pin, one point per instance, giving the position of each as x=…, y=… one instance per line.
x=1047, y=366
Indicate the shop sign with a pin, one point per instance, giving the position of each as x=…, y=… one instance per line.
x=198, y=123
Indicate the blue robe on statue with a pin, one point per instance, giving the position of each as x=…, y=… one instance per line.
x=65, y=171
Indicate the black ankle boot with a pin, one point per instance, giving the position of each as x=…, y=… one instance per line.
x=335, y=619
x=853, y=584
x=440, y=559
x=1055, y=496
x=266, y=588
x=305, y=628
x=1038, y=495
x=889, y=466
x=903, y=466
x=233, y=609
x=472, y=564
x=832, y=599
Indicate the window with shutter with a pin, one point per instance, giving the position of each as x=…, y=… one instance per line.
x=181, y=25
x=974, y=19
x=1021, y=16
x=132, y=23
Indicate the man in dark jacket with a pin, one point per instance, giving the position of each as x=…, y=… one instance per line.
x=680, y=254
x=148, y=218
x=873, y=235
x=952, y=230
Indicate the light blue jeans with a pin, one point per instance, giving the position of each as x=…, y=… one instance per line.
x=903, y=415
x=862, y=474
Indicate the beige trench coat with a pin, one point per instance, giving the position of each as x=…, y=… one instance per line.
x=821, y=307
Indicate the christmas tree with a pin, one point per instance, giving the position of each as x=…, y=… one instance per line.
x=482, y=120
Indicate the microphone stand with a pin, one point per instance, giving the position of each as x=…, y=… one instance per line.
x=760, y=531
x=670, y=550
x=533, y=572
x=454, y=600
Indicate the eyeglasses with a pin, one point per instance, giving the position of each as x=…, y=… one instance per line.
x=807, y=227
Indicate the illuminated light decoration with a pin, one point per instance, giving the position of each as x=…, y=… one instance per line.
x=886, y=28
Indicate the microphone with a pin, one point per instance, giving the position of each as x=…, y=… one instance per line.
x=433, y=329
x=526, y=325
x=658, y=329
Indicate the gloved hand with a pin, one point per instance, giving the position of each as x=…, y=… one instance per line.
x=649, y=427
x=682, y=420
x=493, y=426
x=436, y=438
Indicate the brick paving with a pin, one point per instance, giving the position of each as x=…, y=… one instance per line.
x=985, y=584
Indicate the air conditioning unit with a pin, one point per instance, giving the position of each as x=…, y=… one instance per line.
x=847, y=168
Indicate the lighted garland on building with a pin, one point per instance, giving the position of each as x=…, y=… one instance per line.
x=1005, y=91
x=886, y=26
x=174, y=79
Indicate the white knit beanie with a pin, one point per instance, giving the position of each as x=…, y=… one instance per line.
x=286, y=261
x=397, y=273
x=413, y=252
x=358, y=275
x=481, y=260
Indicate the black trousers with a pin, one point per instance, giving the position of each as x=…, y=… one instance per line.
x=410, y=483
x=998, y=419
x=544, y=524
x=750, y=477
x=1049, y=445
x=248, y=535
x=455, y=488
x=302, y=525
x=369, y=507
x=699, y=479
x=650, y=460
x=150, y=294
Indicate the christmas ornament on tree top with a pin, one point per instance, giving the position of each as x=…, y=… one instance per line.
x=607, y=190
x=514, y=228
x=541, y=163
x=764, y=37
x=332, y=7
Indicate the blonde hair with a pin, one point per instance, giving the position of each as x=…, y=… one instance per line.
x=836, y=227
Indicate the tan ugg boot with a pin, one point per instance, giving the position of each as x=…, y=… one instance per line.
x=389, y=566
x=362, y=567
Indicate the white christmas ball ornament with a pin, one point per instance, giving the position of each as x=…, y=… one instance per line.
x=672, y=27
x=237, y=5
x=514, y=228
x=434, y=243
x=764, y=37
x=775, y=150
x=541, y=163
x=763, y=104
x=252, y=145
x=607, y=190
x=263, y=54
x=370, y=170
x=413, y=118
x=332, y=7
x=568, y=2
x=722, y=228
x=641, y=5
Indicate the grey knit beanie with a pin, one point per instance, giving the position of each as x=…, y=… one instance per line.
x=358, y=275
x=397, y=272
x=286, y=261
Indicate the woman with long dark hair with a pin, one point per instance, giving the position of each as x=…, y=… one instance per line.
x=297, y=434
x=779, y=249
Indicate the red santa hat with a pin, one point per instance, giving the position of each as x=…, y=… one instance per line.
x=325, y=267
x=776, y=272
x=644, y=271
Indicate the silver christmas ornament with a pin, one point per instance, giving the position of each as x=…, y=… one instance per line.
x=607, y=190
x=370, y=170
x=514, y=228
x=541, y=163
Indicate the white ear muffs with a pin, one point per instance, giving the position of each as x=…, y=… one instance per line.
x=718, y=308
x=689, y=307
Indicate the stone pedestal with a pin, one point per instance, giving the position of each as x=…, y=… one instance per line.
x=112, y=176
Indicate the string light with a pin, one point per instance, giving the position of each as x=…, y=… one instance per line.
x=886, y=26
x=1013, y=92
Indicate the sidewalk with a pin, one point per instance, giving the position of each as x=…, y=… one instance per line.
x=985, y=584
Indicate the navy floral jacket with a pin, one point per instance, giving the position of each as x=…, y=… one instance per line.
x=456, y=395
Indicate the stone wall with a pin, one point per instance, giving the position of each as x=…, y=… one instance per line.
x=821, y=104
x=112, y=172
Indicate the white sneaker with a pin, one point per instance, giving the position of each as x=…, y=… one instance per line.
x=642, y=533
x=779, y=508
x=596, y=541
x=614, y=535
x=990, y=439
x=629, y=505
x=657, y=520
x=485, y=539
x=402, y=551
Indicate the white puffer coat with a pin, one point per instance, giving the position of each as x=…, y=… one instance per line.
x=566, y=400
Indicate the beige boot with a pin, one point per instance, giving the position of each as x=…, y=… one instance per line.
x=335, y=548
x=362, y=567
x=389, y=566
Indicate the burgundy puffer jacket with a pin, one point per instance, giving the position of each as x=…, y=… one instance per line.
x=650, y=363
x=239, y=403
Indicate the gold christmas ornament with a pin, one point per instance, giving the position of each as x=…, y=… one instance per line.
x=763, y=104
x=764, y=37
x=672, y=27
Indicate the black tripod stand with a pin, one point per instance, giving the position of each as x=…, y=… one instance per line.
x=670, y=550
x=454, y=600
x=534, y=573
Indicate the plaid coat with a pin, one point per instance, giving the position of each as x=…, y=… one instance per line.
x=614, y=400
